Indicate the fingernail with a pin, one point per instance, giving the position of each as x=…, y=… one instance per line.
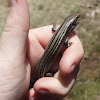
x=12, y=3
x=73, y=67
x=44, y=91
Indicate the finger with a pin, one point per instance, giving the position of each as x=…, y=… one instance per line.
x=43, y=34
x=37, y=40
x=14, y=36
x=72, y=55
x=56, y=86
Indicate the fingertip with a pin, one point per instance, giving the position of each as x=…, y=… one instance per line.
x=69, y=62
x=40, y=85
x=46, y=86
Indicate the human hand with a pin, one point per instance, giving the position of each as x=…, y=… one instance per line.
x=52, y=88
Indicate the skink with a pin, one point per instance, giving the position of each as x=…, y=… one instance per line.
x=54, y=46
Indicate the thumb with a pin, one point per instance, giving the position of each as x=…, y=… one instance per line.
x=14, y=36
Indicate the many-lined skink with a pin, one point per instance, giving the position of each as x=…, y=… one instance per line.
x=54, y=46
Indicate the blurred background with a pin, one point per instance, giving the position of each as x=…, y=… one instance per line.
x=46, y=12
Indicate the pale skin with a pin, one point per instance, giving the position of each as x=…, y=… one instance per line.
x=20, y=50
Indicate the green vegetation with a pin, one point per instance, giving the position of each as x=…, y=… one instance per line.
x=46, y=12
x=87, y=90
